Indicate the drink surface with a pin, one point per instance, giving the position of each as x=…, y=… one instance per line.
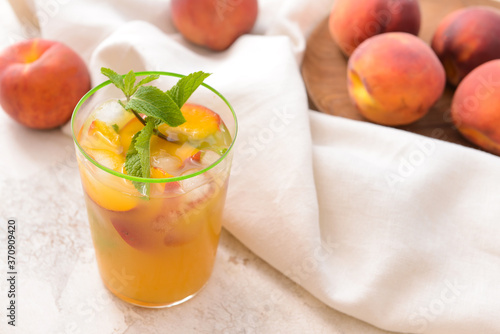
x=156, y=250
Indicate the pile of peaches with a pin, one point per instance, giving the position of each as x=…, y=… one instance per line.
x=394, y=77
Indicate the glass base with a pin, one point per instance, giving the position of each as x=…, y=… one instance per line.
x=151, y=305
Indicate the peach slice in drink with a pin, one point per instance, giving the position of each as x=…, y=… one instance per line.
x=170, y=221
x=98, y=185
x=133, y=233
x=136, y=228
x=101, y=136
x=201, y=122
x=128, y=131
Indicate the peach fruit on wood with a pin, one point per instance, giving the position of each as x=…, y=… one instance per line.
x=214, y=24
x=466, y=39
x=394, y=78
x=353, y=21
x=41, y=82
x=475, y=108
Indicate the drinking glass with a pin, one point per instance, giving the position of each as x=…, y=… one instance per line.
x=156, y=250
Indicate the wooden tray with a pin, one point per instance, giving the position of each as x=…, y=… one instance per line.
x=324, y=70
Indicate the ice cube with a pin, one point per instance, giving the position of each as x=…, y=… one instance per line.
x=102, y=136
x=196, y=181
x=221, y=168
x=208, y=158
x=200, y=194
x=182, y=222
x=198, y=190
x=111, y=112
x=107, y=158
x=165, y=161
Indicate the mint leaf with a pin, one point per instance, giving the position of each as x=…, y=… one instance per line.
x=129, y=82
x=146, y=80
x=133, y=164
x=152, y=101
x=115, y=78
x=142, y=145
x=116, y=128
x=186, y=86
x=137, y=161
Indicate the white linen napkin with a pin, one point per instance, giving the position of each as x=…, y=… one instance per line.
x=393, y=228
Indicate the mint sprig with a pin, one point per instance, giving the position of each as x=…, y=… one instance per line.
x=159, y=107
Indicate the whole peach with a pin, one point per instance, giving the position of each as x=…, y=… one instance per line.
x=215, y=24
x=475, y=108
x=394, y=78
x=41, y=82
x=353, y=21
x=466, y=39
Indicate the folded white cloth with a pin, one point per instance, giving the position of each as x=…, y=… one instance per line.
x=393, y=228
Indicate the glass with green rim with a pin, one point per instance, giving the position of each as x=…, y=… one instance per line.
x=156, y=250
